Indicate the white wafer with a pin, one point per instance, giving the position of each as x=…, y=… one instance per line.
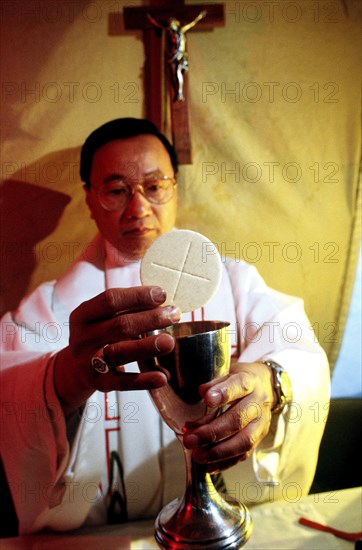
x=186, y=264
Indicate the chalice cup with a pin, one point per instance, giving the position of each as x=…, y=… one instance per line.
x=202, y=519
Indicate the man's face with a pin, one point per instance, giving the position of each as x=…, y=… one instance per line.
x=140, y=222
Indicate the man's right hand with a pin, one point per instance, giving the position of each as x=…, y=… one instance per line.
x=115, y=318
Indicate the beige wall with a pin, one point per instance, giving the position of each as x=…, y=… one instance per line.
x=275, y=107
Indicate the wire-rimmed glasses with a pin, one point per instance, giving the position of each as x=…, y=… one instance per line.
x=156, y=188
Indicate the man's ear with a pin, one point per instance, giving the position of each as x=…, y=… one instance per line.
x=88, y=200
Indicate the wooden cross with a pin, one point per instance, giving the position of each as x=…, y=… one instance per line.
x=136, y=18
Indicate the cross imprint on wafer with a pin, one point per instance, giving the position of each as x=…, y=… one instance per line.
x=181, y=271
x=186, y=265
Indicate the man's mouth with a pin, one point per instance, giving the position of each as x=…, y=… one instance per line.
x=138, y=231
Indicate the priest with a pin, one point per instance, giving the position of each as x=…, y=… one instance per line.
x=81, y=446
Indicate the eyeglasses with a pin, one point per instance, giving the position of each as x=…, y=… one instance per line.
x=158, y=189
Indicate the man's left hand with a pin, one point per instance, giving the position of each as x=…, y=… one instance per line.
x=231, y=437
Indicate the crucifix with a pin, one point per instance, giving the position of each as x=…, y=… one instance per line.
x=164, y=26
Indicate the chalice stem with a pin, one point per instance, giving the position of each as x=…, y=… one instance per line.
x=199, y=486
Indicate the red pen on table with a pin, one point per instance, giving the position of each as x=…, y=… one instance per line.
x=337, y=532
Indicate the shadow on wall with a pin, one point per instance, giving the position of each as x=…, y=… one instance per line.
x=45, y=223
x=29, y=214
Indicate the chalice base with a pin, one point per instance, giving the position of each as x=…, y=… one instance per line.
x=221, y=525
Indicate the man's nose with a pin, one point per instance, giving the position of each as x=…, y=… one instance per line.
x=138, y=205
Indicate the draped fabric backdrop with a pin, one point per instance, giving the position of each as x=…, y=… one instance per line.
x=276, y=129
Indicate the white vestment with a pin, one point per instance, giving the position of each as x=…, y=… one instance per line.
x=59, y=480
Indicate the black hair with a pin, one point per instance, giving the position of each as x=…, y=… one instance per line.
x=120, y=128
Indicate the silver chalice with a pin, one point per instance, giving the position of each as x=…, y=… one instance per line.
x=202, y=519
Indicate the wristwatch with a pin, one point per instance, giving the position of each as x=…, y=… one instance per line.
x=281, y=385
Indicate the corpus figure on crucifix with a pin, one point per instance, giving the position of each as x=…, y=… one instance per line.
x=176, y=50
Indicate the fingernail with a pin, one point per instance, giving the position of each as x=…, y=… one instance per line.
x=214, y=398
x=164, y=343
x=158, y=295
x=173, y=313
